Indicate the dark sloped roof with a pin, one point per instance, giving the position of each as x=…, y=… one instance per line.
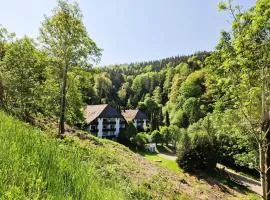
x=100, y=111
x=129, y=115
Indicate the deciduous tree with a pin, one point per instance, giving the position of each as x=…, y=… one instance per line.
x=66, y=41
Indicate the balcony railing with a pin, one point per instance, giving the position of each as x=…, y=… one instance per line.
x=108, y=129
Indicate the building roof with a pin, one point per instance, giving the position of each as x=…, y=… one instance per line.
x=129, y=115
x=100, y=111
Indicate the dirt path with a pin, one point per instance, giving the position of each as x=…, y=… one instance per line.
x=167, y=156
x=250, y=183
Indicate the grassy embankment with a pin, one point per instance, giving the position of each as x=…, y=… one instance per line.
x=35, y=165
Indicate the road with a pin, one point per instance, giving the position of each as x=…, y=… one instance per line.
x=250, y=183
x=167, y=156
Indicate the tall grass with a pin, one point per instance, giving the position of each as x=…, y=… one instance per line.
x=34, y=166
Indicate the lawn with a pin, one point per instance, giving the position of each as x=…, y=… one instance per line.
x=170, y=164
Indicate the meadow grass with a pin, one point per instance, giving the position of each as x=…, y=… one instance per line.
x=35, y=166
x=170, y=164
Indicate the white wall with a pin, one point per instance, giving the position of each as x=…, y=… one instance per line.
x=117, y=126
x=100, y=127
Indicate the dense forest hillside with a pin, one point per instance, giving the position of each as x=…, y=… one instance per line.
x=156, y=65
x=138, y=84
x=121, y=75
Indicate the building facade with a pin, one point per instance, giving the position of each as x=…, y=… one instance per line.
x=137, y=117
x=103, y=120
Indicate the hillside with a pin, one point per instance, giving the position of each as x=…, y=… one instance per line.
x=35, y=165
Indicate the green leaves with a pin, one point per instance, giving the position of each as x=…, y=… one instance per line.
x=222, y=5
x=67, y=44
x=22, y=68
x=64, y=35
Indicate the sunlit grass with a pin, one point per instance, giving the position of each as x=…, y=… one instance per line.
x=169, y=164
x=33, y=166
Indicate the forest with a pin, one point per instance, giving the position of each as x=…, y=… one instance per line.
x=212, y=106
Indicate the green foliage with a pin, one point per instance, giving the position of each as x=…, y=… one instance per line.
x=126, y=136
x=168, y=81
x=144, y=83
x=124, y=93
x=233, y=146
x=176, y=84
x=152, y=110
x=21, y=70
x=239, y=81
x=193, y=86
x=192, y=109
x=166, y=134
x=157, y=95
x=180, y=119
x=66, y=42
x=141, y=139
x=34, y=166
x=65, y=37
x=5, y=39
x=175, y=134
x=183, y=69
x=188, y=100
x=102, y=86
x=222, y=5
x=232, y=83
x=157, y=137
x=196, y=150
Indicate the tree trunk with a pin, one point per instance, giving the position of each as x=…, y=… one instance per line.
x=265, y=128
x=63, y=103
x=167, y=119
x=266, y=174
x=262, y=171
x=267, y=166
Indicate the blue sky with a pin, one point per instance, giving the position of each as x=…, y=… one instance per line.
x=132, y=30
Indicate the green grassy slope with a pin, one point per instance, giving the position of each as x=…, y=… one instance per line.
x=34, y=165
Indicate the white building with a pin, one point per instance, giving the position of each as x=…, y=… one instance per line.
x=103, y=120
x=138, y=118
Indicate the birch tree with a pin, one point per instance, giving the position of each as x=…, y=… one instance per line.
x=242, y=66
x=66, y=40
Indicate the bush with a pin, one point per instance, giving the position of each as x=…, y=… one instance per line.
x=196, y=151
x=141, y=139
x=157, y=137
x=180, y=119
x=233, y=147
x=175, y=134
x=166, y=134
x=126, y=135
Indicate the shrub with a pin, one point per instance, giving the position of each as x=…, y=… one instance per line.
x=157, y=137
x=180, y=119
x=166, y=134
x=141, y=139
x=175, y=134
x=196, y=151
x=126, y=135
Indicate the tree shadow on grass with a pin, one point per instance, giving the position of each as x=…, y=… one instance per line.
x=221, y=180
x=166, y=149
x=145, y=152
